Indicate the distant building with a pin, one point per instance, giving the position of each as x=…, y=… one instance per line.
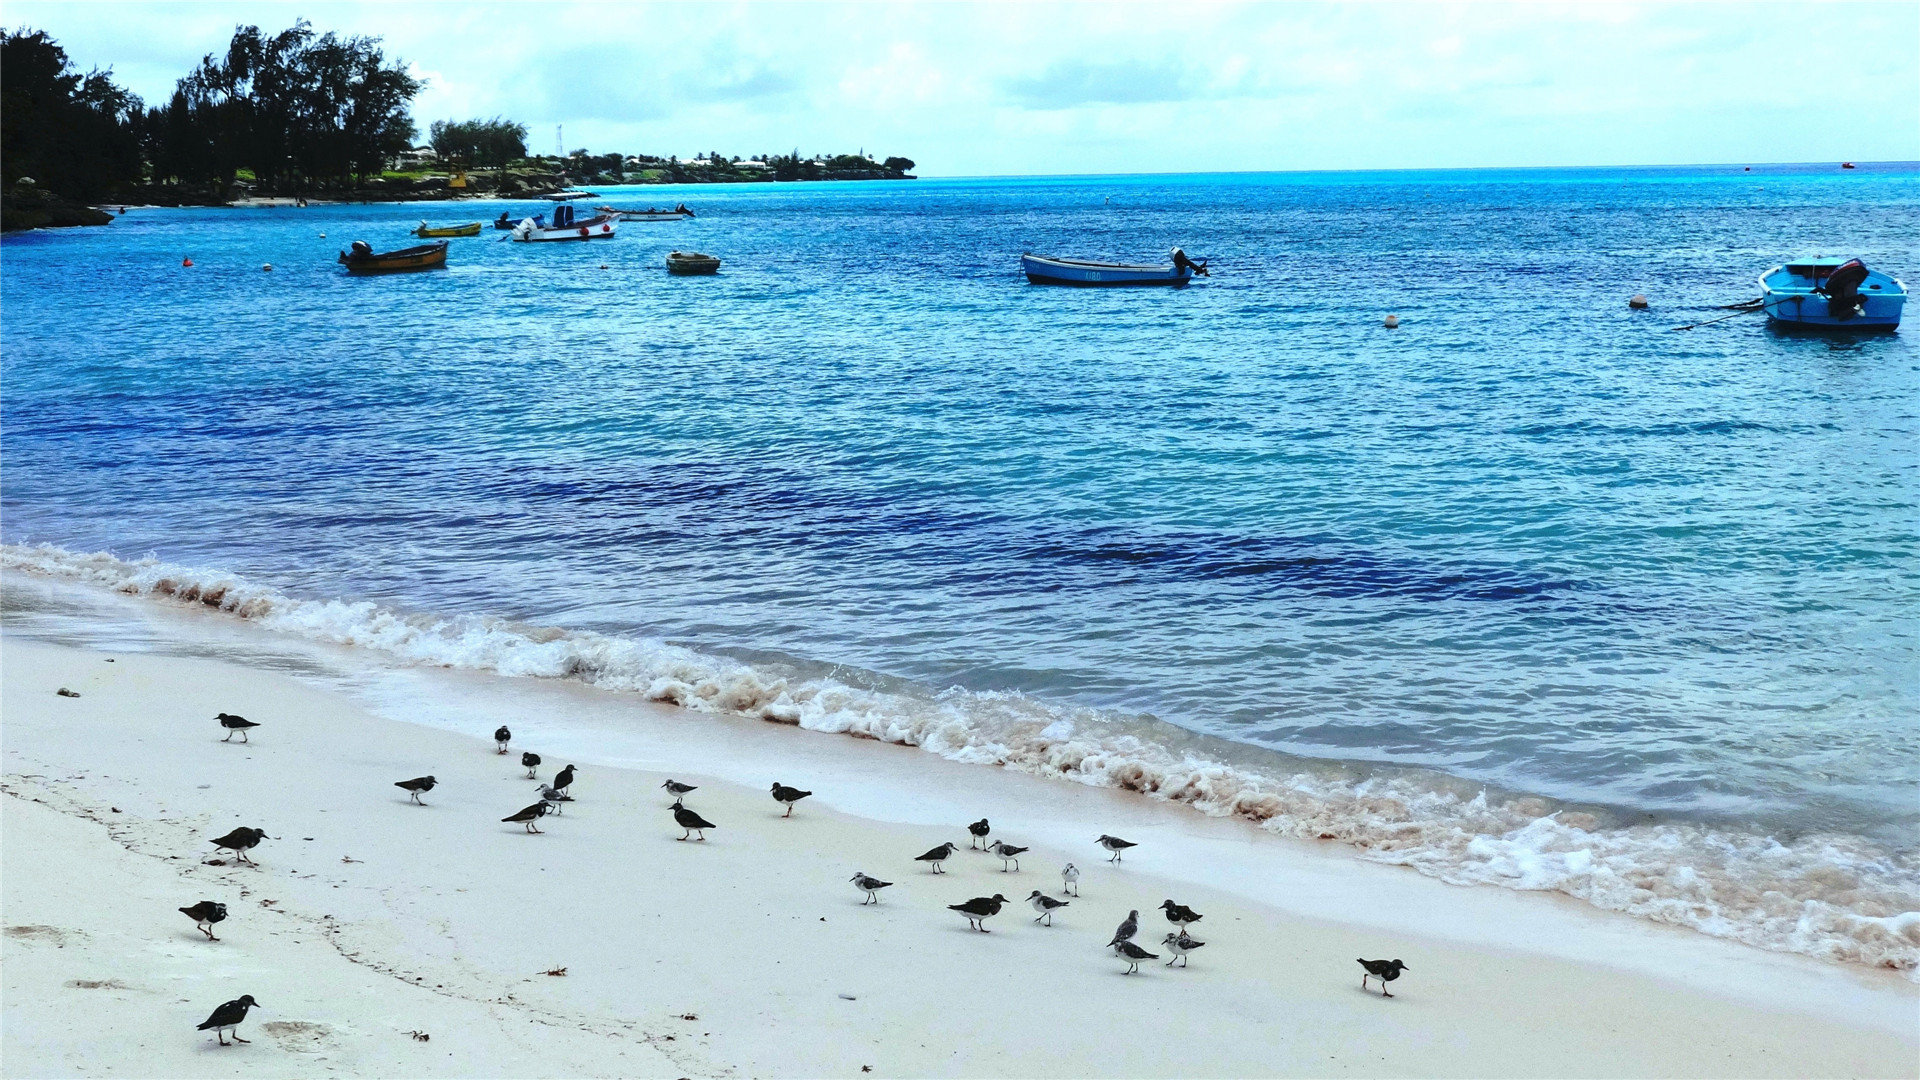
x=417, y=158
x=755, y=165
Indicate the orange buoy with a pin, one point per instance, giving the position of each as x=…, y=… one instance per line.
x=1392, y=322
x=186, y=262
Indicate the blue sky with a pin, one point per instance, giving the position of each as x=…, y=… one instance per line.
x=995, y=89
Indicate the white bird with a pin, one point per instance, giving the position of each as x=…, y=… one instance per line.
x=869, y=885
x=1045, y=905
x=553, y=797
x=1133, y=954
x=1181, y=945
x=1008, y=854
x=1070, y=880
x=1115, y=845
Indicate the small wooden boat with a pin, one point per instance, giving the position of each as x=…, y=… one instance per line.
x=678, y=213
x=565, y=196
x=691, y=262
x=425, y=230
x=566, y=226
x=1832, y=293
x=1047, y=270
x=362, y=259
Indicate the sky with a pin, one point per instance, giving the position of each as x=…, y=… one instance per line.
x=994, y=89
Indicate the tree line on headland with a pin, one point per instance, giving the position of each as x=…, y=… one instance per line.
x=290, y=113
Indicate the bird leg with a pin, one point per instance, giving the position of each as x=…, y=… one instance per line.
x=243, y=738
x=229, y=738
x=237, y=1038
x=221, y=1033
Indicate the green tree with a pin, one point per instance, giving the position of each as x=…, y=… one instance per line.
x=76, y=135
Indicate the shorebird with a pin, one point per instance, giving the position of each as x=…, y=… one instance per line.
x=563, y=780
x=1008, y=854
x=1070, y=880
x=501, y=737
x=553, y=798
x=691, y=822
x=416, y=786
x=1384, y=970
x=1045, y=905
x=788, y=795
x=979, y=829
x=240, y=839
x=204, y=914
x=676, y=789
x=979, y=909
x=1127, y=928
x=532, y=761
x=235, y=725
x=1115, y=845
x=937, y=856
x=229, y=1015
x=527, y=816
x=1133, y=954
x=868, y=885
x=1180, y=944
x=1180, y=915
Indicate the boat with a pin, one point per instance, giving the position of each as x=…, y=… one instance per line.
x=566, y=196
x=687, y=263
x=566, y=226
x=1049, y=270
x=362, y=259
x=1832, y=293
x=678, y=213
x=425, y=230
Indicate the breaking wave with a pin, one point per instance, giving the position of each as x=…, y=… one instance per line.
x=1837, y=897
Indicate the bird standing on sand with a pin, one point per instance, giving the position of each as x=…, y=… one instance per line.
x=204, y=914
x=1070, y=880
x=1115, y=845
x=869, y=885
x=235, y=725
x=1008, y=854
x=1133, y=954
x=937, y=856
x=979, y=829
x=676, y=789
x=1384, y=970
x=528, y=816
x=788, y=796
x=239, y=840
x=1045, y=905
x=979, y=909
x=416, y=786
x=1180, y=944
x=691, y=822
x=553, y=798
x=229, y=1015
x=1127, y=928
x=501, y=737
x=1179, y=915
x=563, y=780
x=532, y=761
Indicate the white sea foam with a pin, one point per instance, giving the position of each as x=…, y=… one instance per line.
x=1836, y=897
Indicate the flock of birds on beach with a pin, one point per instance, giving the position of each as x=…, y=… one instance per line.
x=553, y=797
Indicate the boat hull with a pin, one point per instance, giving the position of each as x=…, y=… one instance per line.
x=690, y=263
x=604, y=227
x=646, y=215
x=1043, y=270
x=451, y=230
x=1788, y=294
x=424, y=257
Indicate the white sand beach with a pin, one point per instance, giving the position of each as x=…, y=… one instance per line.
x=369, y=919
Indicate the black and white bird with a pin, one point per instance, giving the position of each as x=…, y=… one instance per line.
x=235, y=725
x=1127, y=928
x=228, y=1016
x=1008, y=854
x=1180, y=945
x=532, y=761
x=1384, y=970
x=1180, y=915
x=416, y=786
x=501, y=737
x=979, y=829
x=204, y=914
x=868, y=884
x=1045, y=905
x=528, y=816
x=1070, y=880
x=979, y=909
x=787, y=796
x=691, y=822
x=239, y=840
x=676, y=789
x=937, y=856
x=1115, y=845
x=563, y=780
x=1133, y=954
x=554, y=798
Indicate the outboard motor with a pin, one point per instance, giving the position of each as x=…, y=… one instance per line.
x=361, y=249
x=1842, y=289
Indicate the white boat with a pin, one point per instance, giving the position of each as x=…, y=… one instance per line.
x=1047, y=270
x=678, y=213
x=1833, y=293
x=566, y=226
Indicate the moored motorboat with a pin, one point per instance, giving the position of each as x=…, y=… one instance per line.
x=566, y=226
x=1049, y=270
x=678, y=213
x=470, y=229
x=692, y=262
x=1832, y=293
x=362, y=259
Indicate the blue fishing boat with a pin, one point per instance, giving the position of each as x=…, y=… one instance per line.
x=1835, y=293
x=1047, y=270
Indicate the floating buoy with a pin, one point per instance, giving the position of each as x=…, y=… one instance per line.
x=323, y=236
x=603, y=266
x=1392, y=323
x=186, y=262
x=266, y=266
x=1638, y=302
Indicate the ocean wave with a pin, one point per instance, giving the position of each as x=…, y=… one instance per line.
x=1836, y=897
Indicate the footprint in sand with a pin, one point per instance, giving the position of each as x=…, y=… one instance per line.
x=98, y=984
x=299, y=1036
x=42, y=935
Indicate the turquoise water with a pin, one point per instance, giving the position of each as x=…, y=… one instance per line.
x=1531, y=539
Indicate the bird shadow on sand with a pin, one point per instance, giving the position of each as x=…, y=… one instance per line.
x=1375, y=995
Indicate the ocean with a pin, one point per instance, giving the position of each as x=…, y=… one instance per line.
x=1532, y=591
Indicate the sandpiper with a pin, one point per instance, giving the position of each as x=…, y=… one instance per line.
x=554, y=798
x=1180, y=915
x=1070, y=880
x=1384, y=970
x=240, y=839
x=676, y=789
x=1008, y=854
x=532, y=761
x=979, y=829
x=228, y=1016
x=563, y=780
x=788, y=796
x=527, y=816
x=235, y=725
x=204, y=914
x=1127, y=928
x=501, y=737
x=979, y=909
x=1180, y=944
x=691, y=822
x=869, y=885
x=1115, y=845
x=416, y=786
x=937, y=856
x=1133, y=954
x=1045, y=905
